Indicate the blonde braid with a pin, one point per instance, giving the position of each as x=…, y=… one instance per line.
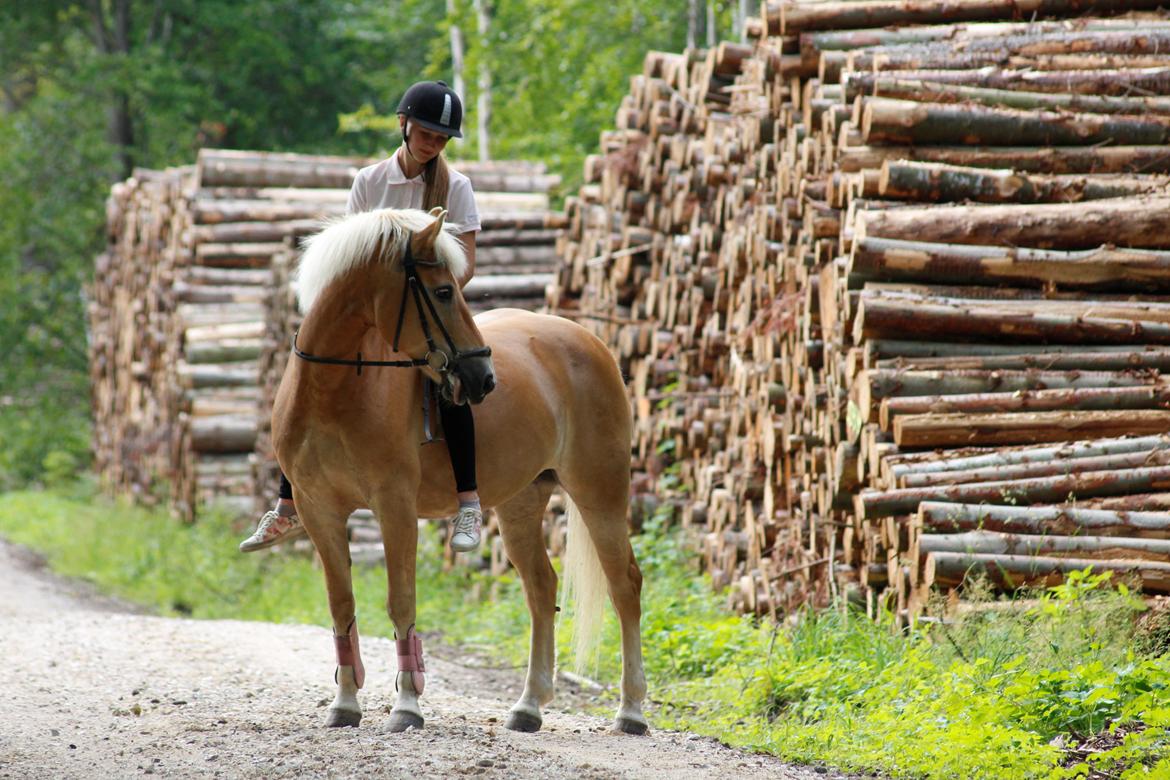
x=438, y=179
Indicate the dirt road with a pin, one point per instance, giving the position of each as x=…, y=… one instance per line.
x=91, y=689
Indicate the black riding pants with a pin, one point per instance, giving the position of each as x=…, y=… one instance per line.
x=459, y=430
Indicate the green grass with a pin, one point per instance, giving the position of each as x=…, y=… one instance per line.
x=989, y=696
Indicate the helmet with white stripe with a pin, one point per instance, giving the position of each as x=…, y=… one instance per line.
x=435, y=106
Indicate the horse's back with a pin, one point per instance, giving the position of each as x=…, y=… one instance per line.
x=560, y=398
x=547, y=344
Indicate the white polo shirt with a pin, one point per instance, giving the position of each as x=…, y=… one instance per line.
x=383, y=185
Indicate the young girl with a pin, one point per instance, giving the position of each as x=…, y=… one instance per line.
x=416, y=176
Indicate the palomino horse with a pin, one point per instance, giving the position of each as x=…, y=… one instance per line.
x=348, y=435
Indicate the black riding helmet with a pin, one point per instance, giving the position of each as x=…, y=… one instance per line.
x=435, y=106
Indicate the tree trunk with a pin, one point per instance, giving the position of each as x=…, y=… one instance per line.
x=1159, y=457
x=692, y=23
x=223, y=434
x=1016, y=571
x=870, y=504
x=848, y=40
x=484, y=82
x=938, y=517
x=508, y=286
x=958, y=430
x=1102, y=268
x=936, y=92
x=1096, y=547
x=872, y=385
x=456, y=37
x=1068, y=159
x=937, y=182
x=887, y=121
x=1131, y=222
x=1086, y=399
x=900, y=316
x=1095, y=84
x=1042, y=357
x=788, y=18
x=931, y=462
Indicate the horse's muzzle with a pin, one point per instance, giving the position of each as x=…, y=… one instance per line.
x=477, y=376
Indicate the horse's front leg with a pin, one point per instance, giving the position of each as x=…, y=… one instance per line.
x=399, y=521
x=326, y=528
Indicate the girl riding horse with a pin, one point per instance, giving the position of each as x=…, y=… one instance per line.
x=416, y=176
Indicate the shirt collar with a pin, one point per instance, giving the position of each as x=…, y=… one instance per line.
x=395, y=174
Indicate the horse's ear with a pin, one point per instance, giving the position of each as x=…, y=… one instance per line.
x=424, y=240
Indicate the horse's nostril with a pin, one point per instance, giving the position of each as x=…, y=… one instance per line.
x=489, y=383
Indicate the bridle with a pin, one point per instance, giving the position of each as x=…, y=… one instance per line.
x=418, y=290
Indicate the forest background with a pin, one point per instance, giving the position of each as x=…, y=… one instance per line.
x=92, y=89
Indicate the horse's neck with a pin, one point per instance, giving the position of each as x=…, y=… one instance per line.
x=335, y=326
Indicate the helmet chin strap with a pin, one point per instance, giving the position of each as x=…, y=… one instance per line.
x=406, y=143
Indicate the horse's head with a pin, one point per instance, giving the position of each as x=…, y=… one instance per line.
x=428, y=316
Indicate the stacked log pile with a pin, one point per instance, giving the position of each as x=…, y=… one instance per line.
x=874, y=285
x=184, y=341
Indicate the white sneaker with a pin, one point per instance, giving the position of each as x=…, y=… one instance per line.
x=465, y=529
x=272, y=529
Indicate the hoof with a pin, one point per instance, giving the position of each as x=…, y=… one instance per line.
x=401, y=720
x=631, y=726
x=520, y=720
x=339, y=717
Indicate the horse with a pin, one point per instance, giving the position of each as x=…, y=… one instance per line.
x=550, y=409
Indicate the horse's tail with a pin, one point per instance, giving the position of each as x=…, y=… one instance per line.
x=585, y=587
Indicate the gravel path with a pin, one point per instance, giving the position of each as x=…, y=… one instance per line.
x=90, y=688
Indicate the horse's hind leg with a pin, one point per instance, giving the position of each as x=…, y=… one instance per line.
x=327, y=530
x=520, y=525
x=601, y=498
x=611, y=538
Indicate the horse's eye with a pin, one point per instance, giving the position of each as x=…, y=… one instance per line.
x=445, y=292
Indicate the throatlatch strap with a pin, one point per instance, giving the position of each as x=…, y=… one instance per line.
x=410, y=659
x=349, y=654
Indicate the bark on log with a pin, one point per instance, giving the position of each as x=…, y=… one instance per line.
x=881, y=352
x=1082, y=399
x=943, y=430
x=870, y=504
x=223, y=434
x=1046, y=358
x=1095, y=83
x=937, y=182
x=223, y=351
x=1015, y=571
x=1030, y=470
x=1096, y=547
x=513, y=286
x=790, y=18
x=875, y=384
x=859, y=39
x=897, y=87
x=1102, y=268
x=940, y=517
x=1130, y=222
x=1065, y=159
x=889, y=316
x=888, y=121
x=218, y=375
x=933, y=462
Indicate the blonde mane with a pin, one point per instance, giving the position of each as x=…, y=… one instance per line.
x=347, y=242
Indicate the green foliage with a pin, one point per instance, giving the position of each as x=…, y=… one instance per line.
x=991, y=694
x=288, y=75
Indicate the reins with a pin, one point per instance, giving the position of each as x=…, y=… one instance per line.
x=418, y=291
